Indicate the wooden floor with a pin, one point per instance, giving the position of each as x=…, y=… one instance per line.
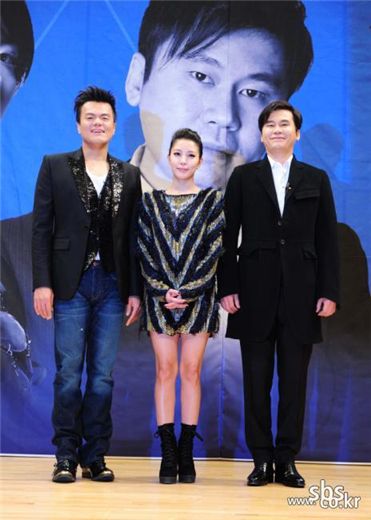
x=27, y=493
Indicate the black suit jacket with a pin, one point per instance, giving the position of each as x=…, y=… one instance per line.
x=61, y=224
x=297, y=251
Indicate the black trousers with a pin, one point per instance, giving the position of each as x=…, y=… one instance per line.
x=258, y=368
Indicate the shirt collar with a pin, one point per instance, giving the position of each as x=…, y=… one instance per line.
x=275, y=164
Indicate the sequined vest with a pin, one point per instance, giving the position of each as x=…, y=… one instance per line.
x=100, y=233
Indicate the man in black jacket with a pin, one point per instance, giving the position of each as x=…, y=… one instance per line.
x=84, y=271
x=285, y=279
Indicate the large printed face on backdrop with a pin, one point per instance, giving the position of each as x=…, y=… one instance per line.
x=16, y=49
x=8, y=80
x=218, y=91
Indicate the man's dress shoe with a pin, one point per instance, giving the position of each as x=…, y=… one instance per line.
x=261, y=475
x=64, y=471
x=98, y=471
x=287, y=474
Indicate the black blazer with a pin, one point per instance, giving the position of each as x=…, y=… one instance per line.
x=61, y=224
x=297, y=251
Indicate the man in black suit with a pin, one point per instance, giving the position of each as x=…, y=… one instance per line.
x=84, y=271
x=285, y=279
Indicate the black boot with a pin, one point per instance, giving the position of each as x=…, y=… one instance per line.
x=187, y=472
x=169, y=462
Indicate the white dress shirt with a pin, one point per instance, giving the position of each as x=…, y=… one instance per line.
x=98, y=181
x=280, y=178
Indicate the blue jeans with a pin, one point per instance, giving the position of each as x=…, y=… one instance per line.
x=87, y=327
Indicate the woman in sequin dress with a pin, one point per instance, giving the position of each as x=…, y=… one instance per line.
x=179, y=243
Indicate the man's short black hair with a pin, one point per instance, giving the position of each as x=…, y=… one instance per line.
x=93, y=93
x=191, y=26
x=280, y=105
x=191, y=135
x=16, y=29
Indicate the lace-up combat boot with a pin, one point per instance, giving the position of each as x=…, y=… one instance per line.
x=187, y=472
x=169, y=462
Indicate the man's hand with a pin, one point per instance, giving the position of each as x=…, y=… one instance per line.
x=133, y=309
x=325, y=307
x=43, y=298
x=231, y=303
x=174, y=300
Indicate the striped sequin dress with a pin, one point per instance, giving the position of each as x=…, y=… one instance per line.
x=179, y=243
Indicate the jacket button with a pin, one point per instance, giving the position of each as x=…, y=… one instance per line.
x=282, y=241
x=279, y=222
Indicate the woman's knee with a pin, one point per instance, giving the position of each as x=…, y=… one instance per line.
x=166, y=372
x=190, y=373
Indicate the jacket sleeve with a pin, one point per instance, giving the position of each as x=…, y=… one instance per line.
x=156, y=281
x=211, y=250
x=42, y=227
x=136, y=282
x=327, y=245
x=228, y=280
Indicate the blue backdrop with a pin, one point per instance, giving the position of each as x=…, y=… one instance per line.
x=79, y=43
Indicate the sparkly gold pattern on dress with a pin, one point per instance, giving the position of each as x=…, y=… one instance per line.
x=179, y=243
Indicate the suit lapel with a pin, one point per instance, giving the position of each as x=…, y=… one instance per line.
x=77, y=165
x=295, y=177
x=117, y=184
x=266, y=178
